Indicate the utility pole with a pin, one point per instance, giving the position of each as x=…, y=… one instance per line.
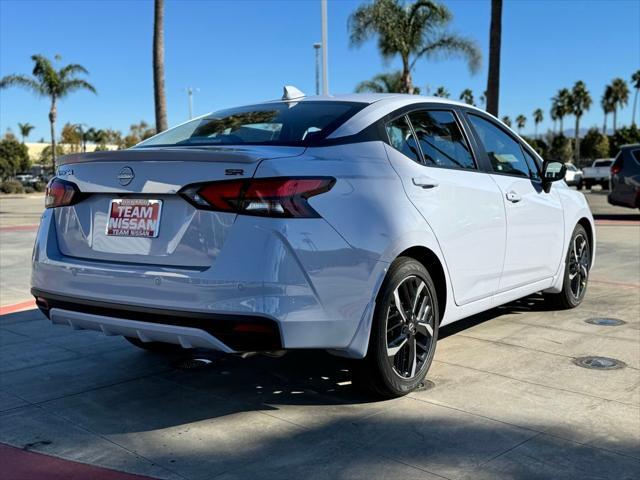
x=325, y=49
x=190, y=91
x=317, y=47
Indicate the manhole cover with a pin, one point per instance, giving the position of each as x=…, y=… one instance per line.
x=599, y=363
x=193, y=363
x=425, y=385
x=605, y=322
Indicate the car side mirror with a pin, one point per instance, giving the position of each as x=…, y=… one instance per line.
x=552, y=172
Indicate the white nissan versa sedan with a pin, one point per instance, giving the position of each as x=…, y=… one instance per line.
x=359, y=224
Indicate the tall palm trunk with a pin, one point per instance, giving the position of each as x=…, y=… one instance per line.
x=493, y=80
x=561, y=125
x=604, y=125
x=158, y=66
x=577, y=143
x=53, y=113
x=635, y=104
x=615, y=115
x=406, y=81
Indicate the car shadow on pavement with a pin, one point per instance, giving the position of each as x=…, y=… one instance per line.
x=532, y=303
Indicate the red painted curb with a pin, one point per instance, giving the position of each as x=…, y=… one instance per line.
x=19, y=228
x=17, y=307
x=17, y=464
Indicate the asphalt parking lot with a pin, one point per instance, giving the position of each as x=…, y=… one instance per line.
x=505, y=398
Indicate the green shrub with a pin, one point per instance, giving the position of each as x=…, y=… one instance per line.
x=29, y=189
x=40, y=186
x=11, y=186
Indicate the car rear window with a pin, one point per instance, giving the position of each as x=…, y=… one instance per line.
x=636, y=155
x=277, y=123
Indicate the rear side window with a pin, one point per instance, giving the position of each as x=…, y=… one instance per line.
x=636, y=155
x=277, y=123
x=504, y=152
x=441, y=140
x=401, y=138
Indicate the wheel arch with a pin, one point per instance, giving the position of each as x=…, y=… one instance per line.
x=590, y=229
x=432, y=263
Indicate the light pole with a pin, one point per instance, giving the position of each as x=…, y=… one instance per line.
x=317, y=47
x=190, y=92
x=325, y=49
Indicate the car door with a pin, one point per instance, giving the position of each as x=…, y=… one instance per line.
x=535, y=219
x=464, y=208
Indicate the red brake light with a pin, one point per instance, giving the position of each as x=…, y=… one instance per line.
x=60, y=193
x=270, y=197
x=616, y=168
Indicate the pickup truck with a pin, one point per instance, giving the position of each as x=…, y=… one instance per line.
x=599, y=173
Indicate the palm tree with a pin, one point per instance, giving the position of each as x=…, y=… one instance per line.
x=635, y=82
x=580, y=102
x=553, y=113
x=507, y=121
x=25, y=130
x=411, y=31
x=382, y=83
x=493, y=78
x=158, y=66
x=619, y=98
x=560, y=106
x=538, y=117
x=49, y=82
x=467, y=96
x=442, y=92
x=521, y=121
x=606, y=102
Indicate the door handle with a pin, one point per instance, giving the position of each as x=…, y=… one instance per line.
x=425, y=182
x=513, y=197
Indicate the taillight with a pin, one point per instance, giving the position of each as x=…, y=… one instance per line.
x=268, y=197
x=61, y=193
x=617, y=166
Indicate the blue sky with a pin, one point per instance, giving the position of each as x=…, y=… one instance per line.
x=242, y=51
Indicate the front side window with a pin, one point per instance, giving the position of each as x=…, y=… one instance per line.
x=401, y=138
x=441, y=139
x=277, y=123
x=533, y=165
x=504, y=152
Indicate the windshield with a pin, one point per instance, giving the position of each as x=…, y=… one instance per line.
x=278, y=123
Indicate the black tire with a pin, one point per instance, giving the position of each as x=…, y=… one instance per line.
x=156, y=347
x=414, y=333
x=576, y=273
x=579, y=185
x=588, y=185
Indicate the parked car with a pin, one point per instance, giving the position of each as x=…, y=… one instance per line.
x=597, y=174
x=625, y=177
x=359, y=224
x=573, y=176
x=27, y=179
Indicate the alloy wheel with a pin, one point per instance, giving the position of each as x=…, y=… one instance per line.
x=579, y=265
x=409, y=326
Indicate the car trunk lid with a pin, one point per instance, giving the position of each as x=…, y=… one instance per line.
x=186, y=237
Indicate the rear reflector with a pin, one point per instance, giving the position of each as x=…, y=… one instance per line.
x=61, y=193
x=284, y=197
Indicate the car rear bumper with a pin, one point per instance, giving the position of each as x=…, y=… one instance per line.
x=298, y=275
x=239, y=333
